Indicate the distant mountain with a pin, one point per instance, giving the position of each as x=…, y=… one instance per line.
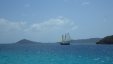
x=86, y=41
x=106, y=40
x=25, y=41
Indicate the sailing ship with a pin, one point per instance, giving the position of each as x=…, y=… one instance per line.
x=65, y=39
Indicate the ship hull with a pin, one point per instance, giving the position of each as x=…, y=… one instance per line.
x=65, y=43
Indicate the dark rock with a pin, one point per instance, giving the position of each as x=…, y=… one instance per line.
x=106, y=40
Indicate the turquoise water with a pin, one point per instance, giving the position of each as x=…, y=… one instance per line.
x=56, y=54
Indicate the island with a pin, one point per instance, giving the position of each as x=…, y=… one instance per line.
x=106, y=40
x=25, y=41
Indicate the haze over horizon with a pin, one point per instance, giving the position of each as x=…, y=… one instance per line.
x=47, y=20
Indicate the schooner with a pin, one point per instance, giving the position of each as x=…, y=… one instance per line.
x=65, y=39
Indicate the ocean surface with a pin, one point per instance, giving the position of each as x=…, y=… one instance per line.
x=56, y=54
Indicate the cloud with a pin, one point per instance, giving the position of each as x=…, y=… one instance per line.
x=6, y=25
x=11, y=31
x=40, y=31
x=54, y=24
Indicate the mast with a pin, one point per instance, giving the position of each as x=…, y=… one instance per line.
x=63, y=38
x=68, y=37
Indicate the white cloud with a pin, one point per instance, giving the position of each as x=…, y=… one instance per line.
x=7, y=25
x=55, y=24
x=11, y=31
x=36, y=31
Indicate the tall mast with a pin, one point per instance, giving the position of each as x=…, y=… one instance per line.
x=68, y=37
x=62, y=38
x=65, y=37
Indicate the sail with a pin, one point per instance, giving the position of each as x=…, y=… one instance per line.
x=68, y=37
x=65, y=39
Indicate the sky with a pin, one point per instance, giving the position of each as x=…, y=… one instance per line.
x=47, y=20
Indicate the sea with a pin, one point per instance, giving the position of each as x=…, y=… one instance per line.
x=56, y=54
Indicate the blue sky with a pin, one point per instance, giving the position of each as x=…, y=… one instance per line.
x=47, y=20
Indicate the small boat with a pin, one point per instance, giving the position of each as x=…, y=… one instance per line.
x=65, y=39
